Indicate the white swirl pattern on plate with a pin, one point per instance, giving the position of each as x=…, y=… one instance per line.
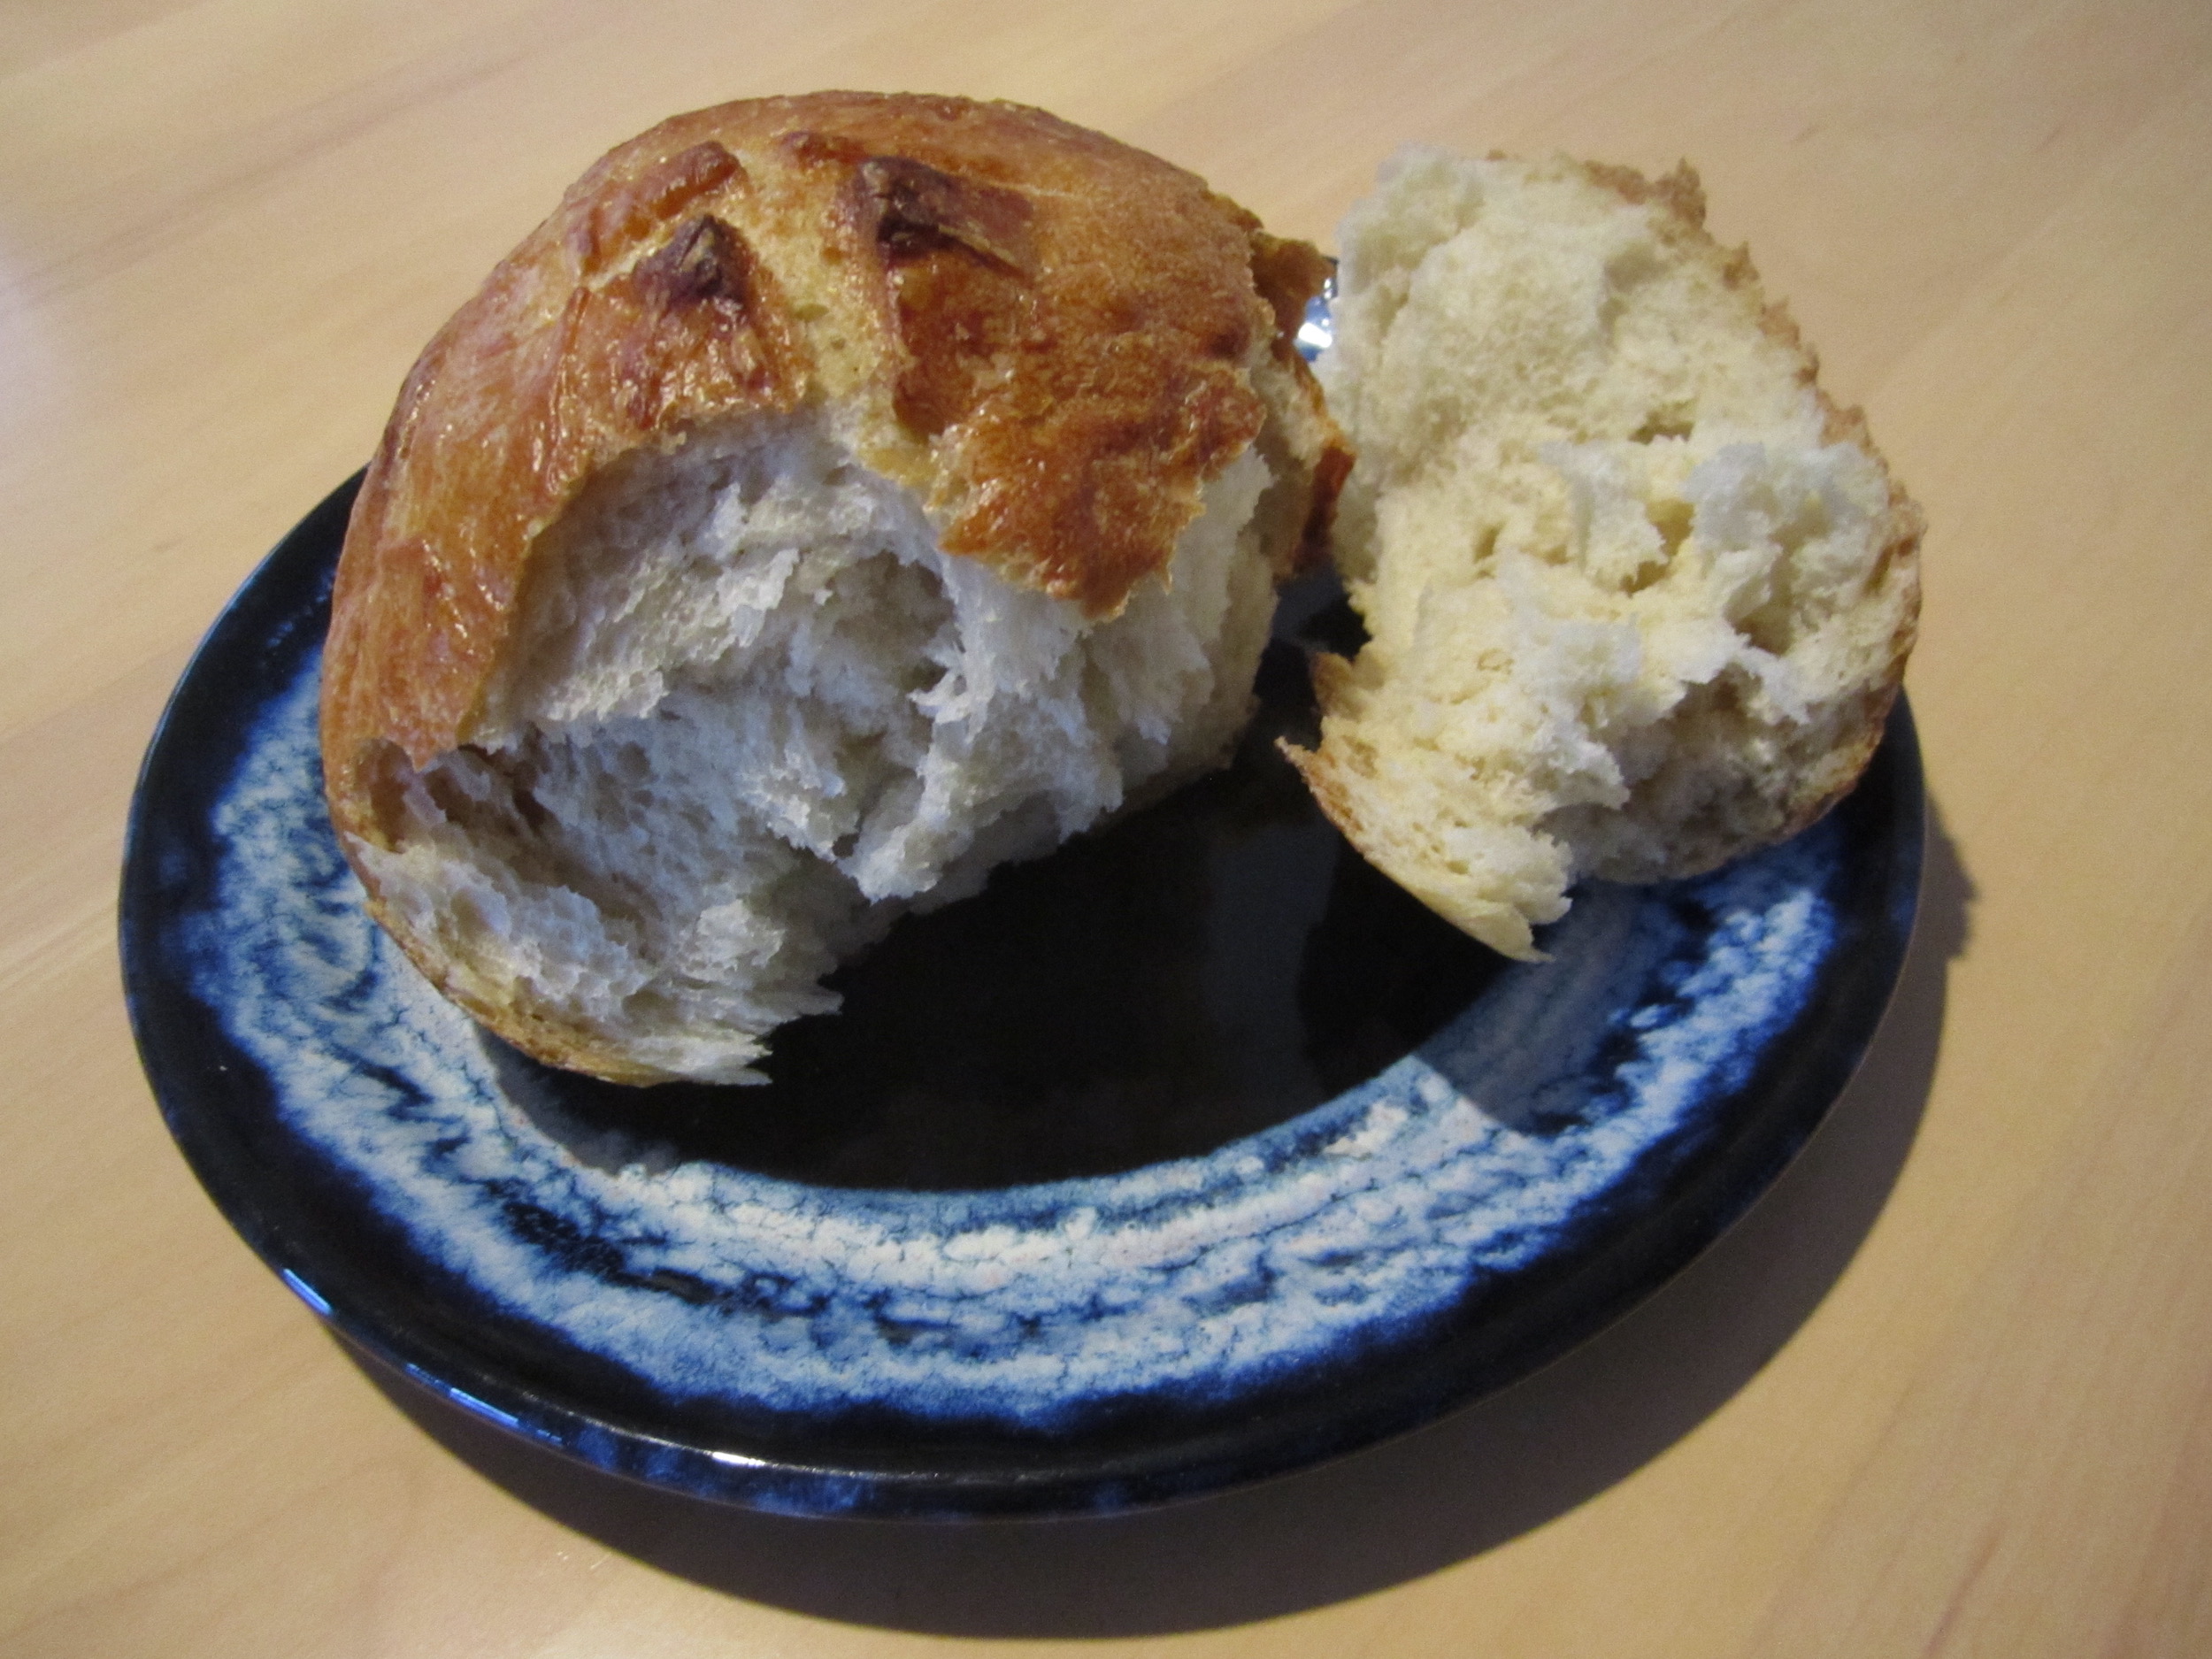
x=1567, y=1086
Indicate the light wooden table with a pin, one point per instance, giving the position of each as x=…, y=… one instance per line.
x=1944, y=1392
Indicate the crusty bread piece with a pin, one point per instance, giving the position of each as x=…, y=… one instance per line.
x=1638, y=596
x=836, y=496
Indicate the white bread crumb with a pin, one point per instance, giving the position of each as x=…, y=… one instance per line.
x=756, y=714
x=1638, y=596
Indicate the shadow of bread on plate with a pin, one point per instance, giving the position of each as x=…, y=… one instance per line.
x=838, y=495
x=1638, y=595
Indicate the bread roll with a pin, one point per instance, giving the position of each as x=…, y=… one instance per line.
x=1638, y=595
x=836, y=497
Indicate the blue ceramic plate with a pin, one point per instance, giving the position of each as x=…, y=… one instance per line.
x=1191, y=1154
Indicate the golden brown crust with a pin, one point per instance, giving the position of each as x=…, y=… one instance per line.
x=1048, y=335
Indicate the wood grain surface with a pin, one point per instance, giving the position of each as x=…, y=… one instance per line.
x=1947, y=1391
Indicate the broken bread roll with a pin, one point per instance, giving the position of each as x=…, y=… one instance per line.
x=1638, y=596
x=836, y=496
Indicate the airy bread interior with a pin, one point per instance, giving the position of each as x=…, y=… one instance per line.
x=1637, y=595
x=755, y=713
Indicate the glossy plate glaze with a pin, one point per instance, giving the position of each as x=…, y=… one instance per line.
x=1191, y=1154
